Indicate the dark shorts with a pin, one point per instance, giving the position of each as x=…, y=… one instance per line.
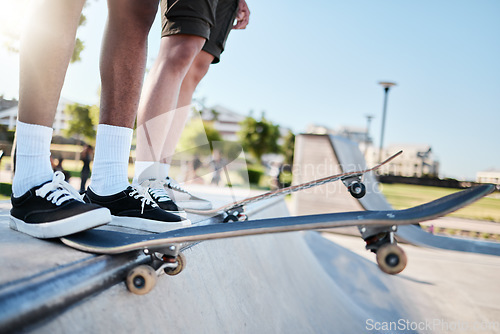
x=210, y=19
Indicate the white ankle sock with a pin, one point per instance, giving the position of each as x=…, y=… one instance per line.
x=33, y=165
x=112, y=151
x=145, y=170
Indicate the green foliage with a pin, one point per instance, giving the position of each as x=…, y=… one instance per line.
x=6, y=134
x=286, y=178
x=195, y=136
x=5, y=189
x=259, y=137
x=254, y=174
x=79, y=46
x=288, y=148
x=94, y=114
x=80, y=122
x=215, y=114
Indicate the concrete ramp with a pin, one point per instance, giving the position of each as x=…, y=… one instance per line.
x=314, y=154
x=297, y=282
x=264, y=284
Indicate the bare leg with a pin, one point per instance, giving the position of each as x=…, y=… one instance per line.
x=123, y=59
x=196, y=72
x=46, y=48
x=123, y=62
x=42, y=207
x=161, y=92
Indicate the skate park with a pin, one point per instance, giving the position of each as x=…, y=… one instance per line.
x=298, y=282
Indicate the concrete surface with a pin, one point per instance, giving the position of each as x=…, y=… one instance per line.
x=453, y=291
x=270, y=283
x=283, y=283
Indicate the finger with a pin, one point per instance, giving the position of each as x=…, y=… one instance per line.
x=242, y=20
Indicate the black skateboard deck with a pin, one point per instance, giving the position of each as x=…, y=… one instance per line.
x=168, y=244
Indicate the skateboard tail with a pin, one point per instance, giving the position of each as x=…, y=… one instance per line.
x=456, y=201
x=288, y=190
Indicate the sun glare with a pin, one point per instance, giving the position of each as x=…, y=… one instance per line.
x=12, y=14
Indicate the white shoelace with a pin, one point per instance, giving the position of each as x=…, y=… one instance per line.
x=136, y=193
x=160, y=194
x=172, y=184
x=157, y=190
x=58, y=191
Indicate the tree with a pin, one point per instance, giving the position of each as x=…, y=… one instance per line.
x=195, y=135
x=288, y=148
x=259, y=137
x=80, y=122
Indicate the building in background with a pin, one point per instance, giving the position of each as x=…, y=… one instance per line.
x=9, y=109
x=417, y=160
x=7, y=104
x=488, y=176
x=225, y=121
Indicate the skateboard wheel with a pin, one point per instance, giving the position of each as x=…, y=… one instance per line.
x=357, y=189
x=141, y=280
x=181, y=264
x=391, y=259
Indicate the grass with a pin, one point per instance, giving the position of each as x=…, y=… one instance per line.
x=403, y=196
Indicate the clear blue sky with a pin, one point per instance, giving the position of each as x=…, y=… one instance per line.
x=319, y=62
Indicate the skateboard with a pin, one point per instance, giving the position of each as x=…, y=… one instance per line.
x=164, y=249
x=352, y=180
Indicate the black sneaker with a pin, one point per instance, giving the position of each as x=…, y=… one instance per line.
x=155, y=191
x=54, y=209
x=130, y=208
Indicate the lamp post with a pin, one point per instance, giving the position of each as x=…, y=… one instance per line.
x=386, y=85
x=367, y=138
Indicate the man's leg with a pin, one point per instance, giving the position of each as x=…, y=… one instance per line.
x=162, y=135
x=159, y=100
x=122, y=64
x=157, y=114
x=42, y=208
x=123, y=61
x=46, y=47
x=225, y=14
x=196, y=72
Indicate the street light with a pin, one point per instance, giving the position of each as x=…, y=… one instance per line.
x=367, y=138
x=387, y=85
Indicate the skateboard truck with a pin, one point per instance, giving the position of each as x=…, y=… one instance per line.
x=391, y=258
x=142, y=279
x=235, y=214
x=353, y=183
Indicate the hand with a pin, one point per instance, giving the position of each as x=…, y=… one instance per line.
x=243, y=16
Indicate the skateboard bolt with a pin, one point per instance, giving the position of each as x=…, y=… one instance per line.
x=139, y=282
x=392, y=260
